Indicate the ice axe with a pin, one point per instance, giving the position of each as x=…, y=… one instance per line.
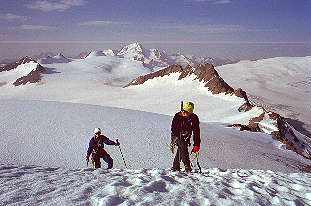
x=121, y=153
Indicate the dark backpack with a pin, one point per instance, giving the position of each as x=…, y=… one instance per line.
x=98, y=143
x=186, y=128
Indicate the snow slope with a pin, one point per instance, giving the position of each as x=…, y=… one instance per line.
x=43, y=143
x=57, y=134
x=31, y=185
x=280, y=84
x=43, y=146
x=101, y=70
x=97, y=79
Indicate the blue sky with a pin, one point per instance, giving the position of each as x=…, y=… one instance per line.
x=234, y=28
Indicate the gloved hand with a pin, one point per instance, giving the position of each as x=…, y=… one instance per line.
x=117, y=144
x=87, y=157
x=174, y=139
x=196, y=148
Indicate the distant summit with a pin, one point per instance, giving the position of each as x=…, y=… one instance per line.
x=160, y=59
x=43, y=55
x=154, y=59
x=60, y=58
x=134, y=51
x=108, y=52
x=151, y=58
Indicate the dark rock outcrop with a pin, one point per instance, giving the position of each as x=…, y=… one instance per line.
x=286, y=135
x=207, y=74
x=204, y=73
x=32, y=77
x=16, y=64
x=252, y=126
x=161, y=73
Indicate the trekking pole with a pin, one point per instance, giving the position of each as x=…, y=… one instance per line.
x=199, y=166
x=122, y=154
x=181, y=126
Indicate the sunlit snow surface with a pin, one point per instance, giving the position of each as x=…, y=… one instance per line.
x=53, y=135
x=280, y=84
x=31, y=185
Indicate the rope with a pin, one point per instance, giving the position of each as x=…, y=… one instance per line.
x=195, y=158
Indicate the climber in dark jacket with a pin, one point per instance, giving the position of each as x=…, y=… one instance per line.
x=96, y=148
x=185, y=124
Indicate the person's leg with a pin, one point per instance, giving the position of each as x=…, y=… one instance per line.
x=109, y=160
x=96, y=159
x=176, y=163
x=184, y=155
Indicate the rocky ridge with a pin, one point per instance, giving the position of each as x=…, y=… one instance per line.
x=204, y=73
x=32, y=77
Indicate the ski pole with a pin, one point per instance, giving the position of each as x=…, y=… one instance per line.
x=199, y=166
x=122, y=154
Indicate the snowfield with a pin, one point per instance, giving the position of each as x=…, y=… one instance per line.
x=43, y=145
x=281, y=84
x=46, y=127
x=31, y=185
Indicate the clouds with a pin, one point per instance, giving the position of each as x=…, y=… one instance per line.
x=222, y=2
x=62, y=5
x=9, y=16
x=36, y=27
x=211, y=28
x=215, y=1
x=45, y=6
x=102, y=23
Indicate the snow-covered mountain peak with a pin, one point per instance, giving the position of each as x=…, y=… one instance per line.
x=133, y=51
x=13, y=66
x=135, y=48
x=60, y=55
x=95, y=54
x=109, y=52
x=21, y=72
x=204, y=73
x=25, y=60
x=59, y=58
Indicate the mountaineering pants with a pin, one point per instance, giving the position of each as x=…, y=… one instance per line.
x=182, y=153
x=102, y=154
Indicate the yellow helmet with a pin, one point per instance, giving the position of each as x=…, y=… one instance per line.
x=188, y=107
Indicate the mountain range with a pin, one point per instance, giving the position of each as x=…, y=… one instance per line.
x=145, y=76
x=150, y=57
